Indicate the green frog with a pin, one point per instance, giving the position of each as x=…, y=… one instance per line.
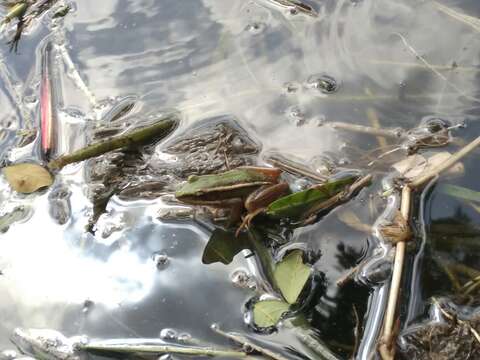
x=246, y=187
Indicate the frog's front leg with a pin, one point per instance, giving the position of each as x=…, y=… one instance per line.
x=235, y=206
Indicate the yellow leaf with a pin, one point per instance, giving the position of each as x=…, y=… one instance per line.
x=27, y=178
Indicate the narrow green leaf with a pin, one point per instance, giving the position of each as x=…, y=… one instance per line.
x=460, y=192
x=267, y=313
x=223, y=246
x=295, y=205
x=291, y=275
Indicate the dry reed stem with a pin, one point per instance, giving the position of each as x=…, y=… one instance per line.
x=446, y=165
x=386, y=349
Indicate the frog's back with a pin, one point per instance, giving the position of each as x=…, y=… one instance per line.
x=238, y=178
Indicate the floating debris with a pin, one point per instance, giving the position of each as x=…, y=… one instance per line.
x=59, y=204
x=294, y=6
x=322, y=83
x=19, y=213
x=44, y=344
x=62, y=12
x=27, y=178
x=452, y=336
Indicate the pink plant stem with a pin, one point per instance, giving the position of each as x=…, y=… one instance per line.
x=47, y=111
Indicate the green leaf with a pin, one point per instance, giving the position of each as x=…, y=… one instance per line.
x=295, y=205
x=460, y=192
x=267, y=313
x=27, y=178
x=223, y=246
x=291, y=275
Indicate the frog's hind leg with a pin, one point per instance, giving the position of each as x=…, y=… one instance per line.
x=247, y=220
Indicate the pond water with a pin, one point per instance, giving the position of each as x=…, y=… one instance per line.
x=392, y=64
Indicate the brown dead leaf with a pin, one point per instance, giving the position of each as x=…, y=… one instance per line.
x=27, y=178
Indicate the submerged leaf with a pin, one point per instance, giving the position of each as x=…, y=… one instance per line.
x=27, y=178
x=460, y=192
x=267, y=313
x=291, y=275
x=295, y=205
x=223, y=246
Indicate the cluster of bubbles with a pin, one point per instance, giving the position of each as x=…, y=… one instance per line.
x=160, y=259
x=170, y=334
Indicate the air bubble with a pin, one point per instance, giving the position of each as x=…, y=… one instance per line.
x=160, y=259
x=215, y=327
x=240, y=279
x=323, y=83
x=8, y=355
x=87, y=306
x=291, y=87
x=184, y=337
x=296, y=115
x=168, y=334
x=256, y=27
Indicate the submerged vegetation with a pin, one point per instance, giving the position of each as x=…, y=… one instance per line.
x=268, y=208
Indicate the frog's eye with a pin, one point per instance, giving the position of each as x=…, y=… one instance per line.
x=192, y=178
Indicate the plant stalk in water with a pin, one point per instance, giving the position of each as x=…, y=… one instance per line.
x=386, y=343
x=242, y=340
x=145, y=135
x=160, y=349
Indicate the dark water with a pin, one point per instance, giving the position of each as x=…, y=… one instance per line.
x=256, y=62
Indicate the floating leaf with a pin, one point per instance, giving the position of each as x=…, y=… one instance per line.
x=295, y=205
x=267, y=313
x=460, y=192
x=223, y=246
x=291, y=274
x=27, y=178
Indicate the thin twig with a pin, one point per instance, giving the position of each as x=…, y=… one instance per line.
x=160, y=349
x=447, y=269
x=393, y=134
x=472, y=287
x=471, y=21
x=465, y=270
x=386, y=346
x=350, y=219
x=356, y=331
x=416, y=65
x=242, y=340
x=157, y=131
x=293, y=167
x=75, y=75
x=436, y=72
x=446, y=165
x=348, y=276
x=375, y=122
